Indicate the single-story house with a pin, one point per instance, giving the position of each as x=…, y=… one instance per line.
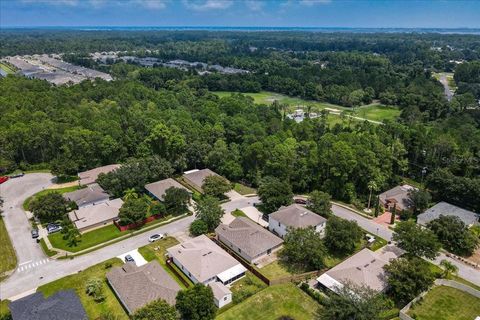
x=96, y=216
x=295, y=216
x=137, y=286
x=249, y=240
x=90, y=195
x=158, y=189
x=364, y=268
x=221, y=294
x=196, y=177
x=399, y=196
x=63, y=304
x=444, y=208
x=203, y=261
x=90, y=176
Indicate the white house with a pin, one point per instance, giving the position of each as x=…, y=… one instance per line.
x=293, y=217
x=221, y=294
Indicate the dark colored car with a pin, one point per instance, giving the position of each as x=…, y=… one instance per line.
x=18, y=175
x=129, y=258
x=300, y=201
x=35, y=233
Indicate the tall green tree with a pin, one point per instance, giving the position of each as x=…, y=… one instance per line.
x=342, y=236
x=274, y=193
x=319, y=202
x=216, y=186
x=304, y=248
x=420, y=200
x=196, y=303
x=208, y=210
x=176, y=200
x=416, y=240
x=133, y=211
x=49, y=207
x=156, y=310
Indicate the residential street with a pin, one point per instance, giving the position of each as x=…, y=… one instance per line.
x=464, y=271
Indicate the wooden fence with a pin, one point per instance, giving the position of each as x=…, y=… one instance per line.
x=174, y=270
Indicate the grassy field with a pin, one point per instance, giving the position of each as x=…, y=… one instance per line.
x=273, y=303
x=446, y=303
x=27, y=201
x=275, y=270
x=88, y=239
x=77, y=282
x=157, y=250
x=9, y=258
x=375, y=111
x=239, y=213
x=243, y=190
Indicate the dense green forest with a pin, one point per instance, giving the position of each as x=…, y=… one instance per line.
x=172, y=114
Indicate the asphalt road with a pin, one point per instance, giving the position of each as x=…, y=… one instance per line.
x=464, y=271
x=14, y=192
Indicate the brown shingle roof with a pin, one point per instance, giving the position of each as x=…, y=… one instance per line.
x=196, y=178
x=248, y=236
x=158, y=188
x=398, y=195
x=90, y=176
x=137, y=286
x=296, y=216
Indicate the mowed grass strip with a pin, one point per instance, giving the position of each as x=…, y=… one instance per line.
x=446, y=303
x=95, y=310
x=9, y=258
x=27, y=201
x=273, y=303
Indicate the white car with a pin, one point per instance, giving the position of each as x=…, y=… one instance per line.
x=155, y=237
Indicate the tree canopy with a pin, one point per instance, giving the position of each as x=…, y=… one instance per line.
x=342, y=236
x=196, y=303
x=416, y=240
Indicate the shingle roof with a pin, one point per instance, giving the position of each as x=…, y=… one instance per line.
x=399, y=195
x=248, y=236
x=91, y=215
x=296, y=216
x=196, y=177
x=63, y=305
x=363, y=268
x=202, y=257
x=447, y=209
x=219, y=290
x=137, y=286
x=90, y=176
x=92, y=193
x=158, y=188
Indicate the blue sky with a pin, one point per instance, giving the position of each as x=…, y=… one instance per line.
x=261, y=13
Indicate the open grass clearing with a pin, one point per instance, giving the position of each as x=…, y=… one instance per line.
x=77, y=282
x=446, y=303
x=273, y=303
x=157, y=251
x=7, y=252
x=378, y=112
x=243, y=190
x=27, y=201
x=6, y=68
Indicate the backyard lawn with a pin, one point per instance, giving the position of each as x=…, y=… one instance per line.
x=446, y=303
x=158, y=250
x=9, y=258
x=275, y=270
x=273, y=303
x=77, y=282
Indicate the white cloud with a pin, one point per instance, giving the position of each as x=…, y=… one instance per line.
x=313, y=2
x=204, y=5
x=255, y=5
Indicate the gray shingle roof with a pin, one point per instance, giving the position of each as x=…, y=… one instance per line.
x=99, y=213
x=447, y=209
x=248, y=236
x=91, y=194
x=296, y=216
x=196, y=177
x=90, y=176
x=63, y=305
x=202, y=257
x=398, y=195
x=137, y=286
x=158, y=188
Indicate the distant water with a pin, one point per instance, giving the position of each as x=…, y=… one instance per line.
x=475, y=31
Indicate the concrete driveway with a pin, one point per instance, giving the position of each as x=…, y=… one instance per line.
x=14, y=192
x=137, y=257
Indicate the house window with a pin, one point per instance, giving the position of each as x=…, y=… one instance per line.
x=225, y=299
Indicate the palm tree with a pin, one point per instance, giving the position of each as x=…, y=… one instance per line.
x=448, y=268
x=130, y=194
x=372, y=185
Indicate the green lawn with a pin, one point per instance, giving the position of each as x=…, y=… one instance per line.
x=239, y=213
x=157, y=250
x=45, y=249
x=9, y=258
x=6, y=68
x=88, y=239
x=61, y=191
x=275, y=270
x=243, y=190
x=446, y=303
x=4, y=308
x=77, y=282
x=272, y=303
x=378, y=112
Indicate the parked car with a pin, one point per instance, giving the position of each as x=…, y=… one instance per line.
x=3, y=179
x=300, y=201
x=35, y=233
x=155, y=237
x=52, y=228
x=17, y=175
x=129, y=258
